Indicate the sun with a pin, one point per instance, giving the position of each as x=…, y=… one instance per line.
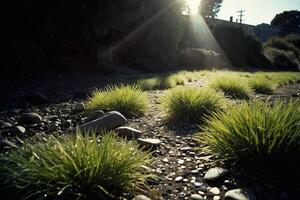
x=193, y=6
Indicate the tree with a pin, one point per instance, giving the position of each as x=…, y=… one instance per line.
x=210, y=8
x=288, y=22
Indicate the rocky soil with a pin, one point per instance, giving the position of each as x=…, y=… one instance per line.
x=184, y=170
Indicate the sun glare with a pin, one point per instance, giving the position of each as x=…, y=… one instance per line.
x=193, y=6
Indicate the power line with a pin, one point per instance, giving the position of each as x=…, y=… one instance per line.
x=241, y=15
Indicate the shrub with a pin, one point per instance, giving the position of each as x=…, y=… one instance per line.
x=261, y=85
x=281, y=78
x=233, y=41
x=232, y=86
x=255, y=135
x=190, y=104
x=75, y=167
x=127, y=99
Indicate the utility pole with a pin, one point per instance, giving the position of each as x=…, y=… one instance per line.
x=241, y=15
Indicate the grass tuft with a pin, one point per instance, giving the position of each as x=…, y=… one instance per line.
x=127, y=99
x=190, y=104
x=255, y=136
x=261, y=85
x=76, y=167
x=232, y=86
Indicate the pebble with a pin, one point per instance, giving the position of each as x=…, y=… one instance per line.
x=30, y=118
x=149, y=142
x=240, y=194
x=4, y=125
x=214, y=190
x=141, y=197
x=180, y=161
x=179, y=178
x=80, y=107
x=128, y=132
x=18, y=130
x=197, y=197
x=214, y=174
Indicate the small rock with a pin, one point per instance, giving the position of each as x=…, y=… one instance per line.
x=214, y=174
x=149, y=142
x=128, y=132
x=4, y=125
x=6, y=144
x=179, y=178
x=18, y=130
x=141, y=197
x=67, y=124
x=240, y=194
x=214, y=190
x=79, y=107
x=94, y=115
x=180, y=161
x=109, y=121
x=53, y=127
x=197, y=197
x=30, y=118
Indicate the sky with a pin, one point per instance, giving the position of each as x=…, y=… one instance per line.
x=256, y=11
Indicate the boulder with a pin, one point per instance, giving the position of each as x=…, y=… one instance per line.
x=18, y=130
x=240, y=194
x=128, y=132
x=109, y=121
x=30, y=118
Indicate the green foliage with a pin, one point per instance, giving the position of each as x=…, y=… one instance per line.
x=75, y=167
x=127, y=99
x=190, y=104
x=282, y=78
x=261, y=85
x=255, y=135
x=210, y=8
x=232, y=86
x=282, y=52
x=288, y=22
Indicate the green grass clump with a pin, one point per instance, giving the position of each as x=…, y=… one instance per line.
x=261, y=85
x=232, y=86
x=190, y=104
x=255, y=135
x=75, y=167
x=127, y=99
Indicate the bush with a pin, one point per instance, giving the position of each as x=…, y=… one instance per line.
x=256, y=135
x=293, y=39
x=75, y=167
x=261, y=85
x=233, y=41
x=232, y=86
x=190, y=104
x=127, y=99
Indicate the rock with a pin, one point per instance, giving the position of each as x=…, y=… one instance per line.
x=128, y=132
x=67, y=124
x=179, y=178
x=4, y=125
x=239, y=194
x=141, y=197
x=94, y=115
x=214, y=191
x=214, y=174
x=53, y=127
x=197, y=197
x=30, y=118
x=36, y=99
x=6, y=144
x=79, y=107
x=109, y=121
x=149, y=142
x=18, y=130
